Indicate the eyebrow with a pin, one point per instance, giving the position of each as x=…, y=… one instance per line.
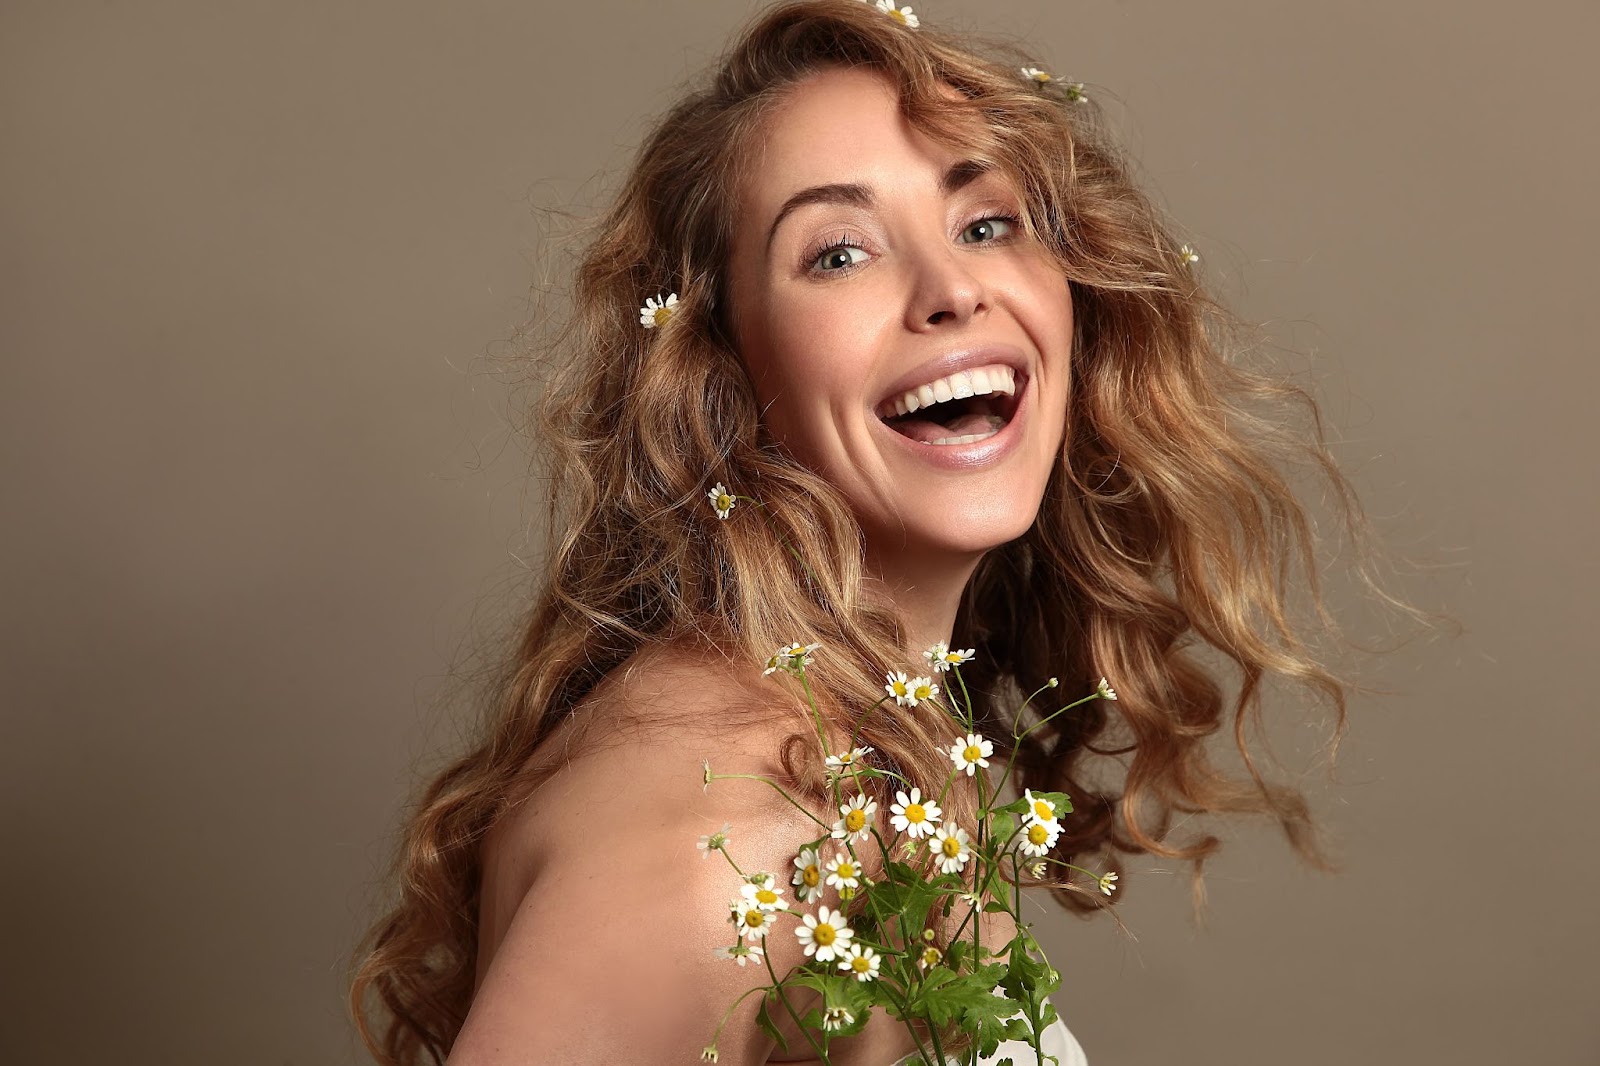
x=959, y=175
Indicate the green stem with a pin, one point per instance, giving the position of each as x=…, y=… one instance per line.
x=781, y=792
x=798, y=1024
x=1016, y=747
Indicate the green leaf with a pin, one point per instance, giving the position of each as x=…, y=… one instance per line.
x=1002, y=828
x=947, y=999
x=987, y=1022
x=1060, y=799
x=764, y=1020
x=994, y=906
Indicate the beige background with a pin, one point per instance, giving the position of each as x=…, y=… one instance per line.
x=259, y=495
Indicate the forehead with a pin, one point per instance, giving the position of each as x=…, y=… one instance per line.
x=838, y=125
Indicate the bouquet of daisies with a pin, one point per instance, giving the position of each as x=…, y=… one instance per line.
x=885, y=956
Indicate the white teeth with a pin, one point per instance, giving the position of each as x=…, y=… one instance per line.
x=996, y=424
x=982, y=381
x=968, y=439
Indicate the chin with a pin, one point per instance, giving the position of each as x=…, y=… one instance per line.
x=961, y=531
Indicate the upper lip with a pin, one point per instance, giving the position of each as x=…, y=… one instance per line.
x=949, y=363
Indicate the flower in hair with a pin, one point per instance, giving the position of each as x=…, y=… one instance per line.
x=1104, y=689
x=721, y=499
x=656, y=311
x=943, y=658
x=792, y=658
x=1189, y=256
x=902, y=13
x=1073, y=89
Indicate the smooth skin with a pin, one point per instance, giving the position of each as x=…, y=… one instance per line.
x=599, y=916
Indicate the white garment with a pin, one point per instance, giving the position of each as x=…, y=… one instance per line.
x=1056, y=1040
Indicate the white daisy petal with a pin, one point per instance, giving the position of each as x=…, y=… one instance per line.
x=971, y=753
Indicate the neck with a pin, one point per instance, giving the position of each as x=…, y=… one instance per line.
x=925, y=590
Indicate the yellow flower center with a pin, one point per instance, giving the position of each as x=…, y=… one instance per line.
x=922, y=692
x=811, y=875
x=860, y=963
x=1042, y=809
x=662, y=314
x=766, y=895
x=1042, y=76
x=899, y=688
x=973, y=753
x=930, y=956
x=1038, y=834
x=724, y=502
x=950, y=846
x=916, y=813
x=897, y=13
x=846, y=870
x=754, y=918
x=855, y=819
x=824, y=934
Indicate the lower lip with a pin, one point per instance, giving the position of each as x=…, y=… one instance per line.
x=974, y=456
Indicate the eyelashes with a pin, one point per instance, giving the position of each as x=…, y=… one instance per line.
x=846, y=239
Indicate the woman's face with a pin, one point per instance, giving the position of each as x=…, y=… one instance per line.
x=871, y=273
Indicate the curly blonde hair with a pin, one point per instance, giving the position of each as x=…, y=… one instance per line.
x=1166, y=522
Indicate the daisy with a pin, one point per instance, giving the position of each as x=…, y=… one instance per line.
x=912, y=815
x=861, y=961
x=1075, y=91
x=741, y=953
x=656, y=311
x=1106, y=883
x=898, y=687
x=837, y=1018
x=713, y=841
x=855, y=822
x=922, y=688
x=807, y=877
x=1037, y=869
x=1036, y=74
x=942, y=658
x=824, y=934
x=1039, y=838
x=721, y=499
x=790, y=657
x=1189, y=256
x=843, y=872
x=902, y=13
x=845, y=759
x=1039, y=810
x=763, y=893
x=971, y=753
x=753, y=922
x=950, y=848
x=1104, y=689
x=930, y=957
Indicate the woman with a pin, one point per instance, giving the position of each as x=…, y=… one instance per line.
x=861, y=221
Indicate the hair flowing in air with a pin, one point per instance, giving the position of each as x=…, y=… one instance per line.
x=1167, y=526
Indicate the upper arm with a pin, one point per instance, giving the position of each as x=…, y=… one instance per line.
x=611, y=954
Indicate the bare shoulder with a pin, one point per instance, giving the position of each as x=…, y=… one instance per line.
x=611, y=953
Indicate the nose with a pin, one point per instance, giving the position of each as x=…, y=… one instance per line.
x=946, y=290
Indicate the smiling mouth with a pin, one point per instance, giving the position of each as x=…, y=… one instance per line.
x=958, y=419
